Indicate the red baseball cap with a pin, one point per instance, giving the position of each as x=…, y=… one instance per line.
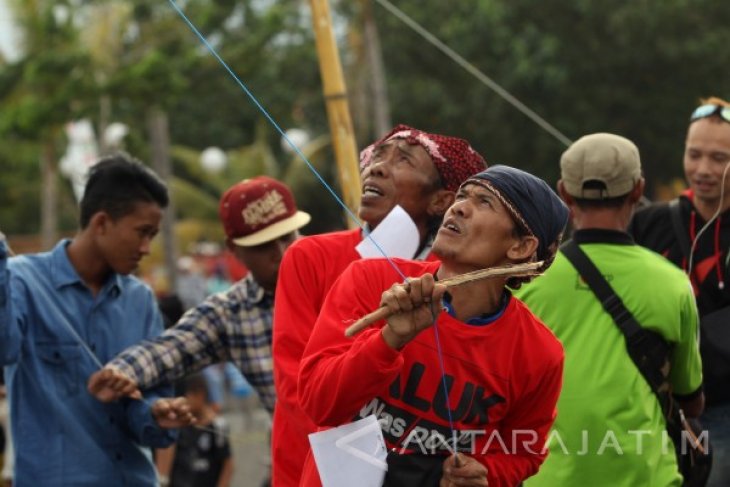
x=259, y=210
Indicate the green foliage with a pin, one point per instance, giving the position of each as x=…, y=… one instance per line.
x=310, y=193
x=272, y=52
x=42, y=91
x=20, y=197
x=633, y=68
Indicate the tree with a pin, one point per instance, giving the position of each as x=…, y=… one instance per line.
x=633, y=68
x=40, y=92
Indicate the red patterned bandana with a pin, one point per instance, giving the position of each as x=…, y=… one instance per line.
x=454, y=158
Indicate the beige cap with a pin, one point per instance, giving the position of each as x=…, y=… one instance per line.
x=609, y=162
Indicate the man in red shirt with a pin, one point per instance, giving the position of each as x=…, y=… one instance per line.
x=483, y=371
x=407, y=167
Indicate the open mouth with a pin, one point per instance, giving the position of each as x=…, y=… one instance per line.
x=370, y=190
x=451, y=226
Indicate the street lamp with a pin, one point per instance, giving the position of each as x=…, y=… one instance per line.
x=213, y=160
x=298, y=137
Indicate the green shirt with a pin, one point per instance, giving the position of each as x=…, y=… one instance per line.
x=610, y=429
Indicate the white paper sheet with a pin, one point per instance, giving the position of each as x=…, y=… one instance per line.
x=351, y=455
x=397, y=235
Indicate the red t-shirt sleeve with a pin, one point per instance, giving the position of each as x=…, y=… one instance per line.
x=525, y=430
x=339, y=374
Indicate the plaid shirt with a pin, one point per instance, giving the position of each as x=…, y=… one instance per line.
x=234, y=325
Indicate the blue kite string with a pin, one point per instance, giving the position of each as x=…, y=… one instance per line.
x=240, y=83
x=440, y=355
x=271, y=120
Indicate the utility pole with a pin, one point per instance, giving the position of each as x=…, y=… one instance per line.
x=159, y=133
x=338, y=112
x=374, y=53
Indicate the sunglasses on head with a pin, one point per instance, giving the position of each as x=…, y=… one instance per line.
x=704, y=111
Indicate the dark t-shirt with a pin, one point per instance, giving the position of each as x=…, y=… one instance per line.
x=652, y=227
x=200, y=456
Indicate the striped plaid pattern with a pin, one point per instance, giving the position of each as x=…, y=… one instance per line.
x=231, y=326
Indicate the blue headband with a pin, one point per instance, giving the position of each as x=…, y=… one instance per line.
x=544, y=214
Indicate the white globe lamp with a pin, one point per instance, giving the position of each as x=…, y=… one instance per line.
x=298, y=137
x=213, y=160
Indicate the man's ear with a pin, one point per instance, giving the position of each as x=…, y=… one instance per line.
x=99, y=222
x=638, y=191
x=568, y=199
x=440, y=201
x=523, y=248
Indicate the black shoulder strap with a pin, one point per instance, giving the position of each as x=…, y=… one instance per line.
x=679, y=231
x=647, y=349
x=600, y=287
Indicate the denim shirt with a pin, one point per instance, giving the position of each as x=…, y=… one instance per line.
x=50, y=325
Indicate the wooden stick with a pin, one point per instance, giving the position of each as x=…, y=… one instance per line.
x=516, y=270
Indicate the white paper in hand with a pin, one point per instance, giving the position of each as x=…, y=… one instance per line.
x=352, y=454
x=397, y=235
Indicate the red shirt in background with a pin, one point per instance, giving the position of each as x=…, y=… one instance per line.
x=309, y=268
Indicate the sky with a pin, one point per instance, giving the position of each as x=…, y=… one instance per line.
x=6, y=33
